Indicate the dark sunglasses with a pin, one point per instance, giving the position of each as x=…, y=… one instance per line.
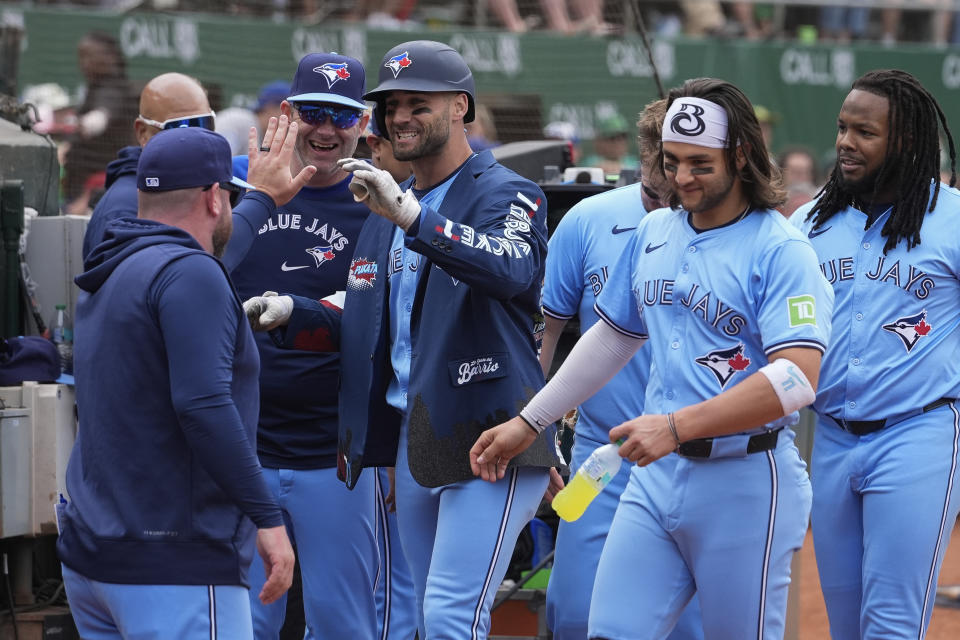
x=203, y=121
x=236, y=192
x=343, y=117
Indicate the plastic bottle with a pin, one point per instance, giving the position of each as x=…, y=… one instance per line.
x=62, y=336
x=594, y=474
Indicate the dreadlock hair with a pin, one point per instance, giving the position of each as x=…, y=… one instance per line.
x=760, y=177
x=913, y=123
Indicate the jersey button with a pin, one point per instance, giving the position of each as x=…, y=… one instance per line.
x=692, y=249
x=866, y=245
x=668, y=395
x=675, y=344
x=859, y=316
x=852, y=405
x=856, y=361
x=685, y=267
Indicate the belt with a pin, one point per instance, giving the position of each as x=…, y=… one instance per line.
x=863, y=427
x=702, y=447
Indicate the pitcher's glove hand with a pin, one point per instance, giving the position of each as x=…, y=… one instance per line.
x=268, y=311
x=379, y=191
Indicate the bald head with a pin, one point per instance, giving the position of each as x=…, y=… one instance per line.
x=171, y=95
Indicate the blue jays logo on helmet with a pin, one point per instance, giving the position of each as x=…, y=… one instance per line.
x=725, y=363
x=910, y=329
x=398, y=63
x=321, y=253
x=333, y=72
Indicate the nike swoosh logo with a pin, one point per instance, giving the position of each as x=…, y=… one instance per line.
x=815, y=232
x=284, y=267
x=617, y=229
x=650, y=248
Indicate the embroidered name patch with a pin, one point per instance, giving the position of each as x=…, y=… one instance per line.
x=478, y=369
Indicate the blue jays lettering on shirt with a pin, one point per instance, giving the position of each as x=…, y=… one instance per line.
x=716, y=303
x=897, y=314
x=305, y=247
x=582, y=249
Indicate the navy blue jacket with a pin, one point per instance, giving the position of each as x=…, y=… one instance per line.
x=475, y=328
x=163, y=480
x=118, y=201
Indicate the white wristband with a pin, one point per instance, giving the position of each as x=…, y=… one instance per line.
x=790, y=384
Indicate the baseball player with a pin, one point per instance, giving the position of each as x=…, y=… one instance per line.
x=737, y=315
x=585, y=243
x=438, y=336
x=884, y=467
x=305, y=246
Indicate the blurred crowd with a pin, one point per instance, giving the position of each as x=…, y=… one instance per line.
x=886, y=21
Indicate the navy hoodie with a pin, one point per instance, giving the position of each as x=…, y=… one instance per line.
x=163, y=480
x=118, y=201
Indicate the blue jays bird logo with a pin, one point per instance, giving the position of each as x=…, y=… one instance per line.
x=725, y=363
x=321, y=253
x=333, y=72
x=910, y=329
x=398, y=63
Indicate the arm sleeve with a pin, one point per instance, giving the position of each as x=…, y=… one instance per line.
x=502, y=256
x=250, y=214
x=598, y=355
x=197, y=313
x=314, y=325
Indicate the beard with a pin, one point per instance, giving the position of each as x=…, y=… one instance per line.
x=864, y=186
x=432, y=140
x=221, y=235
x=712, y=198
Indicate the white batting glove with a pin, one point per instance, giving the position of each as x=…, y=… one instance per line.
x=268, y=311
x=380, y=192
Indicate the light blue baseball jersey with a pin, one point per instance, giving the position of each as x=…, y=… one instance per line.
x=717, y=303
x=885, y=502
x=586, y=243
x=896, y=338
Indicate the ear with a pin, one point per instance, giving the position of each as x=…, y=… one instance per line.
x=364, y=121
x=742, y=151
x=142, y=132
x=461, y=104
x=213, y=200
x=286, y=109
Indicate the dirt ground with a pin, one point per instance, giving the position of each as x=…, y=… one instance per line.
x=945, y=624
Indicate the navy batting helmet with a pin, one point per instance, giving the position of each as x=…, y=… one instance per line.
x=422, y=65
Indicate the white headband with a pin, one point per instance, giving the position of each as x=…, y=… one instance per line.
x=696, y=121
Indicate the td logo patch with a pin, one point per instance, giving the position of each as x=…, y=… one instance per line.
x=802, y=310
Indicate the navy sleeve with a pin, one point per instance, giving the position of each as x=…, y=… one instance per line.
x=503, y=254
x=196, y=308
x=250, y=214
x=314, y=325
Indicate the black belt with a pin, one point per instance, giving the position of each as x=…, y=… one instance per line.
x=863, y=427
x=702, y=447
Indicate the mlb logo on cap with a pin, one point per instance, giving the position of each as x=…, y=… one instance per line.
x=331, y=78
x=152, y=182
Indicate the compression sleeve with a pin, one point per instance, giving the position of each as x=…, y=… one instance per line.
x=249, y=216
x=598, y=355
x=196, y=311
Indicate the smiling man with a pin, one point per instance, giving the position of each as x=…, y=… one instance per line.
x=885, y=463
x=718, y=500
x=438, y=336
x=305, y=246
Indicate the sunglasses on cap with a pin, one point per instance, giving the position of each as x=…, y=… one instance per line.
x=343, y=117
x=203, y=120
x=236, y=192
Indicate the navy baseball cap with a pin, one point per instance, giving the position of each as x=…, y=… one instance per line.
x=273, y=93
x=184, y=159
x=329, y=77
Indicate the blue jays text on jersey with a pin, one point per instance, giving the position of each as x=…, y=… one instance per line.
x=293, y=221
x=705, y=304
x=896, y=317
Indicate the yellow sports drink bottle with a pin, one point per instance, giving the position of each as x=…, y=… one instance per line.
x=594, y=474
